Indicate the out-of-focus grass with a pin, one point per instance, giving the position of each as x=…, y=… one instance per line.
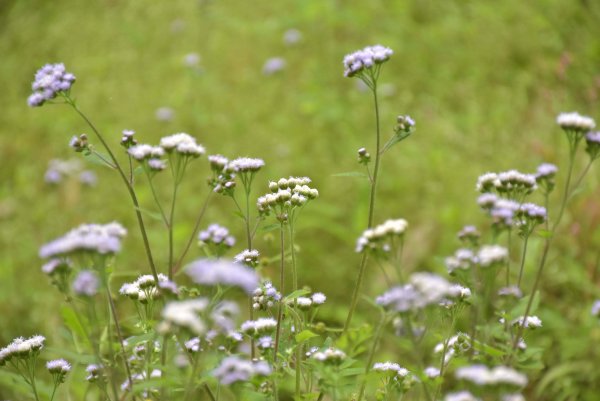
x=484, y=81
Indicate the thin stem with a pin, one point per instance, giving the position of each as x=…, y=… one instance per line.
x=171, y=224
x=364, y=259
x=281, y=289
x=108, y=163
x=525, y=242
x=376, y=339
x=127, y=184
x=508, y=246
x=155, y=196
x=194, y=231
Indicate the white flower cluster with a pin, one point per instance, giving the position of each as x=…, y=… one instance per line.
x=192, y=345
x=144, y=151
x=305, y=303
x=463, y=259
x=235, y=369
x=490, y=255
x=392, y=367
x=481, y=375
x=21, y=348
x=99, y=238
x=379, y=237
x=546, y=171
x=366, y=58
x=184, y=314
x=461, y=396
x=217, y=235
x=258, y=327
x=94, y=372
x=424, y=289
x=575, y=122
x=469, y=234
x=144, y=288
x=248, y=257
x=50, y=80
x=265, y=296
x=531, y=322
x=458, y=344
x=285, y=194
x=183, y=144
x=512, y=183
x=221, y=272
x=331, y=355
x=58, y=366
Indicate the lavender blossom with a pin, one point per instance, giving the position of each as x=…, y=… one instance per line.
x=273, y=66
x=86, y=283
x=96, y=238
x=217, y=235
x=365, y=59
x=235, y=369
x=575, y=122
x=50, y=81
x=219, y=272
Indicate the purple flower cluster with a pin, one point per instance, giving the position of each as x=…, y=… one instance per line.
x=102, y=239
x=219, y=272
x=217, y=235
x=49, y=81
x=234, y=369
x=86, y=284
x=355, y=63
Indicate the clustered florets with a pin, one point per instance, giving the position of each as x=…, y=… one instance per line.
x=103, y=239
x=286, y=194
x=220, y=272
x=330, y=355
x=216, y=235
x=575, y=122
x=58, y=368
x=248, y=257
x=50, y=80
x=481, y=375
x=365, y=59
x=21, y=348
x=381, y=237
x=259, y=327
x=86, y=283
x=265, y=296
x=235, y=369
x=512, y=183
x=145, y=288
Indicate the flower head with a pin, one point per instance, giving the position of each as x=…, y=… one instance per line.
x=86, y=283
x=183, y=144
x=365, y=59
x=220, y=272
x=103, y=239
x=50, y=80
x=234, y=369
x=575, y=122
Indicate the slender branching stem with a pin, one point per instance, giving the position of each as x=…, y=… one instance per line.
x=194, y=232
x=371, y=356
x=129, y=186
x=523, y=256
x=281, y=289
x=363, y=263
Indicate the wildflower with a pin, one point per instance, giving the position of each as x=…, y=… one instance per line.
x=512, y=397
x=529, y=322
x=192, y=345
x=164, y=114
x=481, y=375
x=94, y=372
x=512, y=291
x=545, y=171
x=185, y=314
x=223, y=180
x=22, y=348
x=127, y=138
x=50, y=81
x=596, y=308
x=86, y=283
x=265, y=342
x=79, y=143
x=183, y=144
x=462, y=259
x=97, y=238
x=365, y=59
x=144, y=152
x=592, y=140
x=431, y=372
x=330, y=355
x=380, y=238
x=318, y=298
x=191, y=60
x=575, y=122
x=530, y=215
x=220, y=272
x=490, y=255
x=392, y=367
x=487, y=201
x=56, y=266
x=217, y=235
x=303, y=303
x=245, y=164
x=273, y=65
x=58, y=368
x=292, y=36
x=248, y=257
x=424, y=289
x=364, y=157
x=218, y=162
x=404, y=124
x=234, y=369
x=157, y=164
x=286, y=194
x=144, y=288
x=469, y=234
x=259, y=326
x=265, y=296
x=461, y=396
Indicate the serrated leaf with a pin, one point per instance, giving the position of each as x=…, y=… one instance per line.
x=305, y=335
x=351, y=174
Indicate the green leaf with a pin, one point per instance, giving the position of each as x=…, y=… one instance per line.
x=96, y=158
x=305, y=335
x=71, y=321
x=395, y=139
x=270, y=227
x=153, y=215
x=544, y=233
x=296, y=294
x=351, y=174
x=521, y=307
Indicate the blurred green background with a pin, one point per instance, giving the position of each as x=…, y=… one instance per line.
x=484, y=81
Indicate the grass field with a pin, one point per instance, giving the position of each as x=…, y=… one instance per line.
x=483, y=80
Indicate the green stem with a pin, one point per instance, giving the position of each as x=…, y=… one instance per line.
x=526, y=240
x=194, y=231
x=363, y=263
x=371, y=356
x=127, y=184
x=281, y=289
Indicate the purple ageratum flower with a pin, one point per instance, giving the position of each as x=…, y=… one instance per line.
x=234, y=369
x=596, y=308
x=86, y=283
x=217, y=235
x=355, y=63
x=546, y=170
x=273, y=66
x=103, y=239
x=220, y=272
x=50, y=80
